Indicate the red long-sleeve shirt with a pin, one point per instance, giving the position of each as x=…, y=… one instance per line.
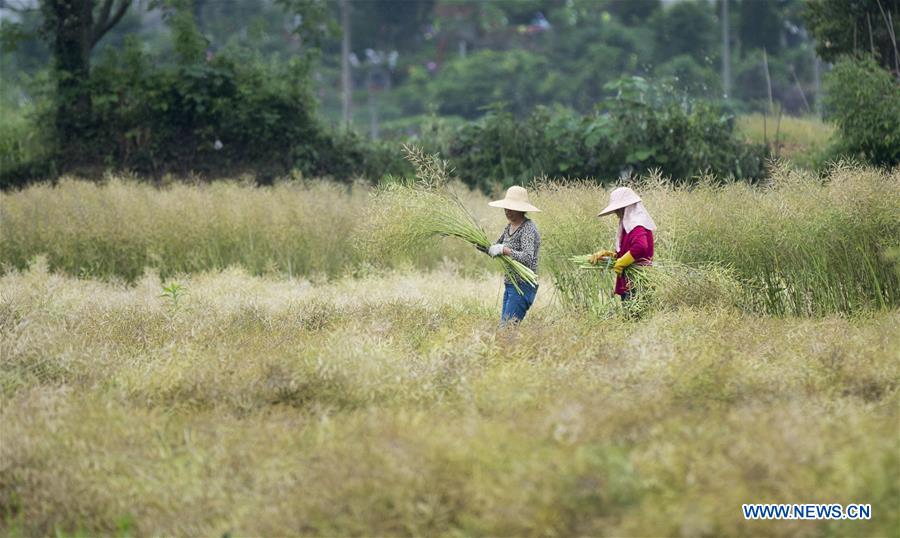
x=639, y=241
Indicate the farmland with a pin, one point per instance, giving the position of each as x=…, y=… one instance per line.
x=304, y=377
x=253, y=259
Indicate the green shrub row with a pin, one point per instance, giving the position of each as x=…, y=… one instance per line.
x=643, y=127
x=233, y=114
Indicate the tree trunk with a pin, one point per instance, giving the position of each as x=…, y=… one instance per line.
x=726, y=51
x=817, y=82
x=197, y=9
x=71, y=23
x=346, y=81
x=72, y=32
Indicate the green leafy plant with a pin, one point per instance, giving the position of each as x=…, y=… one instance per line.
x=174, y=292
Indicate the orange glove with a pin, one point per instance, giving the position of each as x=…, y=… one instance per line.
x=598, y=256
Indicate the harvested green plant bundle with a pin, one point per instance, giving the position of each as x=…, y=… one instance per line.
x=427, y=208
x=640, y=280
x=665, y=284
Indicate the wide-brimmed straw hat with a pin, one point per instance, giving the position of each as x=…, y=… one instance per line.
x=619, y=198
x=516, y=199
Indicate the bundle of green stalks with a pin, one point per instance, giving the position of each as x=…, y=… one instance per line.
x=641, y=282
x=432, y=209
x=663, y=285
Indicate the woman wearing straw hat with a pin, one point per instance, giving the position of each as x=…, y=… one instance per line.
x=634, y=239
x=520, y=241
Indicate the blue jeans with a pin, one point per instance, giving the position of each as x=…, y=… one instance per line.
x=514, y=305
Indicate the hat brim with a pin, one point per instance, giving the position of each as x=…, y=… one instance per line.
x=613, y=207
x=514, y=205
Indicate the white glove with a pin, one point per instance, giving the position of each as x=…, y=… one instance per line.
x=495, y=250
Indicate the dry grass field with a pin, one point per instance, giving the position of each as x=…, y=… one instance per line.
x=302, y=378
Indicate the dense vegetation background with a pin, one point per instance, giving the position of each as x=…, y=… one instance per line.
x=508, y=90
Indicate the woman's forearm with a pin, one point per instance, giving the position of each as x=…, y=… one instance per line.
x=521, y=256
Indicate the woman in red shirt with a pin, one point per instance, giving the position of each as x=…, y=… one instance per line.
x=634, y=240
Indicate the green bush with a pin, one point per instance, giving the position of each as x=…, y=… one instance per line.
x=23, y=146
x=17, y=140
x=215, y=117
x=864, y=101
x=642, y=128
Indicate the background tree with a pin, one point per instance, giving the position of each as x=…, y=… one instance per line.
x=850, y=27
x=635, y=12
x=72, y=29
x=761, y=25
x=685, y=28
x=389, y=24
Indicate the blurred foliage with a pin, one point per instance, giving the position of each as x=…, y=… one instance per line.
x=802, y=142
x=690, y=76
x=583, y=45
x=22, y=148
x=841, y=27
x=864, y=101
x=645, y=126
x=552, y=52
x=169, y=82
x=760, y=24
x=205, y=113
x=466, y=86
x=685, y=28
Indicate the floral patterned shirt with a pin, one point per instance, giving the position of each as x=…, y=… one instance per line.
x=525, y=243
